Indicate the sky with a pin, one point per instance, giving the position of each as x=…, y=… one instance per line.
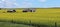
x=29, y=3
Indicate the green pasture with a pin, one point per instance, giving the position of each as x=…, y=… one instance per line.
x=42, y=17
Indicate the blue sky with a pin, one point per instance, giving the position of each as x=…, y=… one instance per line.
x=29, y=3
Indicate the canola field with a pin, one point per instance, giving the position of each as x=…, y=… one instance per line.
x=48, y=16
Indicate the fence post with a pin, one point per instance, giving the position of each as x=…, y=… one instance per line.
x=30, y=22
x=55, y=24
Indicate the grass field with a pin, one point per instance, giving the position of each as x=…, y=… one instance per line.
x=7, y=24
x=43, y=17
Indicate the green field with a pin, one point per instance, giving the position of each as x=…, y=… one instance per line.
x=43, y=17
x=7, y=24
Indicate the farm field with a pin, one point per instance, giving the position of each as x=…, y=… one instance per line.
x=7, y=24
x=49, y=17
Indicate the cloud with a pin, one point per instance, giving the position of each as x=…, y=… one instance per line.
x=1, y=5
x=54, y=6
x=16, y=4
x=0, y=2
x=42, y=0
x=3, y=0
x=12, y=3
x=8, y=3
x=26, y=4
